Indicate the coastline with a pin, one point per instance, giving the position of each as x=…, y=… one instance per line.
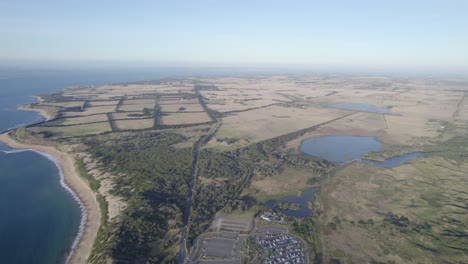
x=80, y=187
x=42, y=112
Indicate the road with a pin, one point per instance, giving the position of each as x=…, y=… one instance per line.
x=183, y=240
x=188, y=207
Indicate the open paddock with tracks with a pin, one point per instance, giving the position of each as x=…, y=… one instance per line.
x=273, y=121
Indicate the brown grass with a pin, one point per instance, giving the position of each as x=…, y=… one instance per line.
x=134, y=124
x=92, y=110
x=185, y=118
x=176, y=107
x=84, y=119
x=101, y=103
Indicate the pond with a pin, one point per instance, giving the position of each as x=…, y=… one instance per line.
x=342, y=149
x=339, y=149
x=358, y=107
x=393, y=161
x=301, y=203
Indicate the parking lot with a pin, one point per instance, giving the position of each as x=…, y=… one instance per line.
x=224, y=247
x=281, y=247
x=219, y=248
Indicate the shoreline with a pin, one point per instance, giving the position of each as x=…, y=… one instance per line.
x=78, y=186
x=42, y=112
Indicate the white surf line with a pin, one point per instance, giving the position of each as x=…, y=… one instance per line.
x=84, y=213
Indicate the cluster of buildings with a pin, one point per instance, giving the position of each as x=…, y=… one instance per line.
x=271, y=217
x=283, y=248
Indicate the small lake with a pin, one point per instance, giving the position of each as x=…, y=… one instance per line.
x=302, y=200
x=358, y=107
x=342, y=149
x=393, y=161
x=339, y=149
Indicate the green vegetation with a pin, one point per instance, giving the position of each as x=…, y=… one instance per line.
x=235, y=168
x=420, y=213
x=93, y=183
x=251, y=252
x=153, y=178
x=308, y=230
x=104, y=227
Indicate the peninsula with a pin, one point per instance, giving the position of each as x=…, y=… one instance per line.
x=185, y=169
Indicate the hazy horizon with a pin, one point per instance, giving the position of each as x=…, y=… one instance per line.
x=365, y=34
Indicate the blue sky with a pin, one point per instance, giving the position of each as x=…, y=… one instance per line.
x=410, y=32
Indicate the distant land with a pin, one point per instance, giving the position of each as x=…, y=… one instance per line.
x=214, y=169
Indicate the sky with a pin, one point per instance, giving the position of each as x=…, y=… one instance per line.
x=263, y=32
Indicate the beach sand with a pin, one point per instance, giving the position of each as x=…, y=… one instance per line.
x=42, y=112
x=79, y=186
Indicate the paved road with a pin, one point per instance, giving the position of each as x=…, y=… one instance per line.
x=183, y=240
x=188, y=207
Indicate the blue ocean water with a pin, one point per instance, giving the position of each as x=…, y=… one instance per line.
x=39, y=218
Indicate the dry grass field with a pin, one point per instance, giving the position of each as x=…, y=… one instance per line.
x=181, y=108
x=291, y=181
x=184, y=118
x=102, y=103
x=134, y=107
x=177, y=100
x=273, y=121
x=139, y=102
x=75, y=130
x=361, y=192
x=128, y=115
x=84, y=119
x=91, y=110
x=134, y=124
x=68, y=104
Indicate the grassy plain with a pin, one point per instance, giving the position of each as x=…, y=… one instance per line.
x=91, y=111
x=184, y=118
x=75, y=130
x=102, y=103
x=290, y=181
x=134, y=124
x=83, y=119
x=181, y=107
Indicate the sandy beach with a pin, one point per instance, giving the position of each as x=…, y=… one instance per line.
x=79, y=186
x=40, y=111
